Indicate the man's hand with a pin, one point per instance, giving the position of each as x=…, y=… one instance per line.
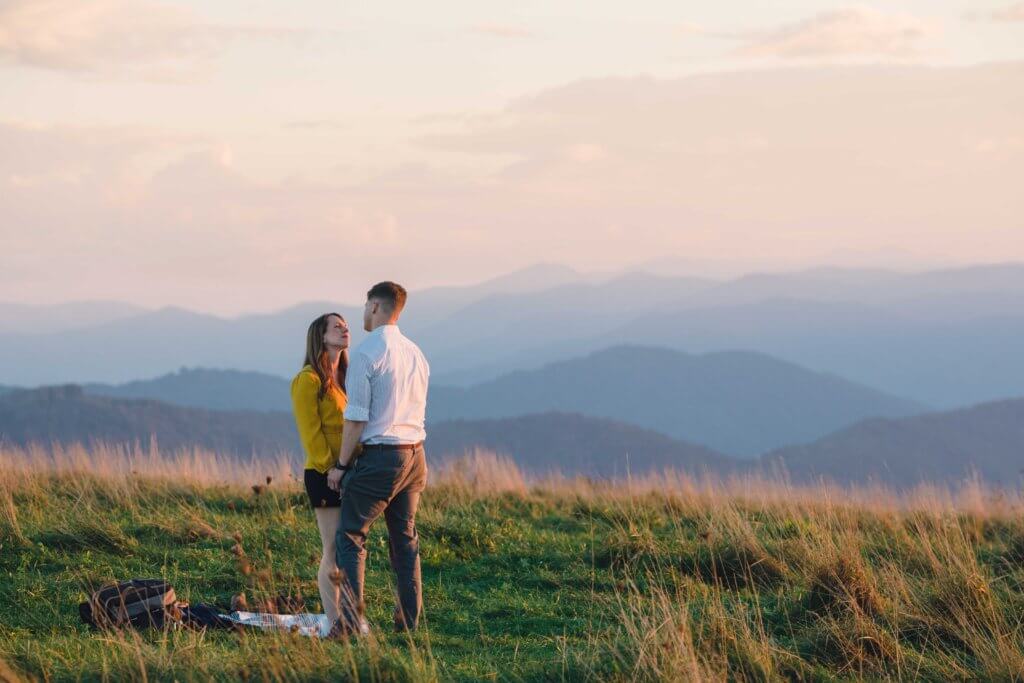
x=334, y=477
x=351, y=434
x=349, y=442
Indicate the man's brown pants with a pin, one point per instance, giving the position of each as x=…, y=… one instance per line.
x=383, y=480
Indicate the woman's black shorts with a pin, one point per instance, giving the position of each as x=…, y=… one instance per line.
x=320, y=495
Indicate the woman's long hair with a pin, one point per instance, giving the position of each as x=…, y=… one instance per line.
x=320, y=360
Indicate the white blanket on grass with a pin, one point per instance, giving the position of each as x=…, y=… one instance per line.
x=303, y=624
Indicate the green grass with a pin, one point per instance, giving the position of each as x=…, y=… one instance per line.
x=557, y=582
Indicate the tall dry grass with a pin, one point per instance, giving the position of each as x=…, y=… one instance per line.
x=889, y=586
x=717, y=577
x=121, y=462
x=483, y=473
x=166, y=493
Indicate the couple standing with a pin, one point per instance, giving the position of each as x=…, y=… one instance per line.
x=360, y=418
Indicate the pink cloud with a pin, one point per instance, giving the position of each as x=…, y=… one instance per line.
x=846, y=32
x=767, y=166
x=137, y=39
x=1014, y=12
x=766, y=160
x=101, y=36
x=166, y=204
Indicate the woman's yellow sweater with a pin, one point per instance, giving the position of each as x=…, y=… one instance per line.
x=319, y=420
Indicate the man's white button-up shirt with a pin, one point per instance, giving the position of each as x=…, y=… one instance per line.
x=386, y=385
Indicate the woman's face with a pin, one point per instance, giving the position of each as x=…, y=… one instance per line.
x=337, y=334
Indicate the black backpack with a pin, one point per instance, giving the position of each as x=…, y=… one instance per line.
x=137, y=603
x=202, y=616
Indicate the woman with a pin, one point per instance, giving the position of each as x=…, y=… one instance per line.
x=318, y=401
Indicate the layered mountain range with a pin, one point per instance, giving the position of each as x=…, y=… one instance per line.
x=945, y=338
x=945, y=447
x=854, y=374
x=735, y=402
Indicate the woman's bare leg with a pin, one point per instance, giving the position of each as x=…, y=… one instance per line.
x=328, y=520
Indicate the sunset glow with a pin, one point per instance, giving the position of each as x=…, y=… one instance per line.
x=241, y=156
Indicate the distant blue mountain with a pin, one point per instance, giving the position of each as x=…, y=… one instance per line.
x=958, y=360
x=946, y=447
x=66, y=414
x=984, y=440
x=573, y=444
x=738, y=403
x=206, y=388
x=570, y=444
x=735, y=402
x=16, y=318
x=945, y=338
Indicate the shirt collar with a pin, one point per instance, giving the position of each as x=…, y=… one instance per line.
x=387, y=330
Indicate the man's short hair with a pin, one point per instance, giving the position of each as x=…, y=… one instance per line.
x=391, y=294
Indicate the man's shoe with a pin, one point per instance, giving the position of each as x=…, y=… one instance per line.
x=342, y=629
x=399, y=620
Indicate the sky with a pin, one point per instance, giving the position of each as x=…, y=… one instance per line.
x=244, y=155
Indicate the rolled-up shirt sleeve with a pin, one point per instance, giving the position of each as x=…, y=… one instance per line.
x=357, y=388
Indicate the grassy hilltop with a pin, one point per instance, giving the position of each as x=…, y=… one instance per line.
x=660, y=579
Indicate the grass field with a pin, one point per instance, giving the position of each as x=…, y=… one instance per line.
x=664, y=578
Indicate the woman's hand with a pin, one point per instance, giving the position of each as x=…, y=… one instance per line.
x=334, y=477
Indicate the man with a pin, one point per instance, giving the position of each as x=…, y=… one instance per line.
x=386, y=385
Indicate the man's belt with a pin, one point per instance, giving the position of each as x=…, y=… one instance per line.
x=390, y=446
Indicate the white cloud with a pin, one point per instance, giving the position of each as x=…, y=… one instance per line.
x=138, y=39
x=777, y=167
x=855, y=31
x=1010, y=13
x=776, y=164
x=116, y=204
x=102, y=35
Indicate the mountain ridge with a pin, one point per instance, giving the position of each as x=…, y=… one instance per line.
x=572, y=444
x=983, y=439
x=899, y=332
x=736, y=402
x=705, y=397
x=942, y=448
